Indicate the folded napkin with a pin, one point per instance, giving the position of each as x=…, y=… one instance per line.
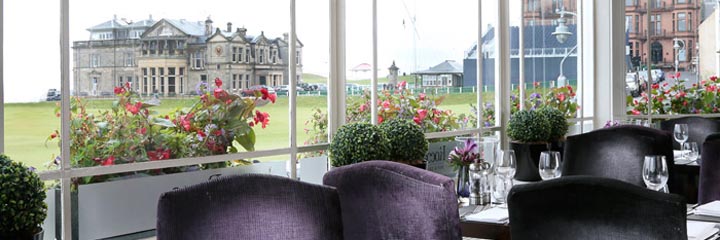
x=709, y=209
x=700, y=230
x=492, y=215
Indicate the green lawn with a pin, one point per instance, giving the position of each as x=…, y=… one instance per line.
x=27, y=125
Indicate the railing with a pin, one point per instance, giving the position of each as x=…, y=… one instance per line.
x=106, y=43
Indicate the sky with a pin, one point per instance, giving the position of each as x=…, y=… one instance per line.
x=445, y=30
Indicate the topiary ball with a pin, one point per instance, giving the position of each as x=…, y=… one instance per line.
x=358, y=142
x=407, y=140
x=22, y=196
x=557, y=123
x=528, y=127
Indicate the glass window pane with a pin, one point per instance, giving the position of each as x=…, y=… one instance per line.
x=182, y=95
x=31, y=96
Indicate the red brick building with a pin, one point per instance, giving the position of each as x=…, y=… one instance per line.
x=669, y=20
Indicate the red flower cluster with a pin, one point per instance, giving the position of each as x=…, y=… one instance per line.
x=134, y=109
x=266, y=95
x=159, y=154
x=262, y=117
x=119, y=90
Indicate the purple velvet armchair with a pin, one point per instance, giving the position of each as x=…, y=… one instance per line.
x=250, y=206
x=388, y=200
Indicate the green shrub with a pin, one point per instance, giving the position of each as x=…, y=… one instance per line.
x=557, y=123
x=22, y=196
x=407, y=140
x=358, y=142
x=528, y=126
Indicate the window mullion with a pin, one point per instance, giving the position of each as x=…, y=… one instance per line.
x=2, y=79
x=292, y=92
x=373, y=80
x=65, y=168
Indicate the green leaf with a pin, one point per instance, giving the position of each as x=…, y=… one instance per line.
x=162, y=122
x=247, y=140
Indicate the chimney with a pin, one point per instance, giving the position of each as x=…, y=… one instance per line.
x=229, y=28
x=208, y=26
x=285, y=37
x=242, y=31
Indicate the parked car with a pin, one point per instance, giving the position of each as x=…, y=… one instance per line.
x=250, y=91
x=657, y=75
x=53, y=95
x=632, y=85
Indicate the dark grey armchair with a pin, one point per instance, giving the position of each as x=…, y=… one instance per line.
x=698, y=127
x=583, y=207
x=709, y=189
x=617, y=152
x=389, y=200
x=250, y=206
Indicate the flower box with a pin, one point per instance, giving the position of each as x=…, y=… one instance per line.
x=115, y=208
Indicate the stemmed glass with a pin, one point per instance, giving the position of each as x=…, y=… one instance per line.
x=549, y=165
x=505, y=169
x=655, y=172
x=680, y=133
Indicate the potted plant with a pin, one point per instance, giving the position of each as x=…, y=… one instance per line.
x=558, y=126
x=358, y=142
x=407, y=142
x=22, y=201
x=529, y=132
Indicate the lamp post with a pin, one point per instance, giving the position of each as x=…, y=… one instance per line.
x=562, y=33
x=677, y=46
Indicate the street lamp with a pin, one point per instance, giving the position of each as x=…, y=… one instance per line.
x=562, y=33
x=677, y=46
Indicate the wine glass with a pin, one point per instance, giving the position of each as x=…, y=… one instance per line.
x=691, y=149
x=655, y=172
x=549, y=165
x=505, y=167
x=506, y=164
x=680, y=133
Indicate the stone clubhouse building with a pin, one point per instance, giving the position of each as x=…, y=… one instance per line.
x=171, y=57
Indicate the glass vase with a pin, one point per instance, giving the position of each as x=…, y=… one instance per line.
x=463, y=181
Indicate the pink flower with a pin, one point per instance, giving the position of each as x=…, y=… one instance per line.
x=635, y=112
x=219, y=93
x=561, y=97
x=142, y=131
x=363, y=107
x=422, y=96
x=417, y=120
x=386, y=104
x=380, y=119
x=134, y=109
x=402, y=84
x=119, y=90
x=713, y=78
x=422, y=113
x=109, y=161
x=218, y=82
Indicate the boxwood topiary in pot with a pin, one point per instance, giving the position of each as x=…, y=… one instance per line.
x=557, y=123
x=407, y=141
x=22, y=206
x=529, y=131
x=358, y=142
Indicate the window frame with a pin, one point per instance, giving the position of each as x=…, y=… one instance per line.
x=336, y=103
